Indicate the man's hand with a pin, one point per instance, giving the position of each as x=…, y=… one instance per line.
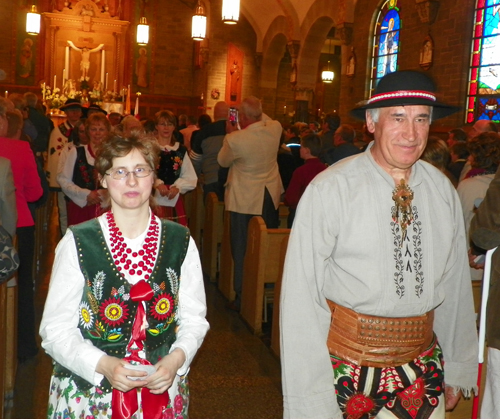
x=451, y=396
x=113, y=369
x=166, y=370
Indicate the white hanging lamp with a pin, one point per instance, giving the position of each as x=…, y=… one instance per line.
x=199, y=23
x=230, y=11
x=143, y=32
x=33, y=21
x=327, y=75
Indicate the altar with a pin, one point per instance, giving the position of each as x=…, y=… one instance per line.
x=85, y=52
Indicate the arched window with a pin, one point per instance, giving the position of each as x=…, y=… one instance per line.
x=483, y=98
x=385, y=42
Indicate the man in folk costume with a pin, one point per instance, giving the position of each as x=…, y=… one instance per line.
x=57, y=142
x=376, y=293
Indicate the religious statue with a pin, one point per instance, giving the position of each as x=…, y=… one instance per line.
x=235, y=78
x=85, y=62
x=141, y=68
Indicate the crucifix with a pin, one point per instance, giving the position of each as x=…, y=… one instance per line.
x=85, y=62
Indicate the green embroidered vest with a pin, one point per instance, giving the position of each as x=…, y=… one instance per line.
x=106, y=311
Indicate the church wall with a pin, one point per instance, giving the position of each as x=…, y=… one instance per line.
x=7, y=45
x=451, y=33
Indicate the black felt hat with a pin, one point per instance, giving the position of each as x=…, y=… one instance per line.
x=96, y=108
x=71, y=104
x=403, y=88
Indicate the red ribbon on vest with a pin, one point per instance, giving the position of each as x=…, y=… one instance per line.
x=125, y=404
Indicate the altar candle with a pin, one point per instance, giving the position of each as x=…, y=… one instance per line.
x=43, y=92
x=106, y=84
x=55, y=81
x=6, y=93
x=64, y=76
x=284, y=110
x=114, y=87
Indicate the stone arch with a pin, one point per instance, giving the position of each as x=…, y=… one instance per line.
x=271, y=58
x=308, y=59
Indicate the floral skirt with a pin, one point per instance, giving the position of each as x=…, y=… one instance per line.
x=410, y=391
x=66, y=401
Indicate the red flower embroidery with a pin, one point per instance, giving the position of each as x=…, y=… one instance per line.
x=113, y=311
x=162, y=307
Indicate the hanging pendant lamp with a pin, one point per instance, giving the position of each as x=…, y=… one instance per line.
x=199, y=23
x=33, y=21
x=143, y=32
x=327, y=75
x=230, y=11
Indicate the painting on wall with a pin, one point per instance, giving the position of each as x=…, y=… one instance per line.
x=426, y=53
x=142, y=66
x=25, y=60
x=234, y=75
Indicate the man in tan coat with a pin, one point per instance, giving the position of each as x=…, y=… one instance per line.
x=253, y=185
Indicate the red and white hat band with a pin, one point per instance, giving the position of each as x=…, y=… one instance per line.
x=400, y=94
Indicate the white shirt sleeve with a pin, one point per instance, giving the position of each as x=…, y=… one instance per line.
x=65, y=171
x=187, y=180
x=61, y=338
x=192, y=309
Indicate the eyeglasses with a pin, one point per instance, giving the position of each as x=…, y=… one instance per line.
x=138, y=172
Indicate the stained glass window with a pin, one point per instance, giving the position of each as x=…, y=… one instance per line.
x=483, y=95
x=385, y=42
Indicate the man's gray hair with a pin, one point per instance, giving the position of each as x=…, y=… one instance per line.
x=375, y=112
x=31, y=99
x=251, y=107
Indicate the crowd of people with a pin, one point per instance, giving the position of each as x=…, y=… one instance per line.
x=123, y=334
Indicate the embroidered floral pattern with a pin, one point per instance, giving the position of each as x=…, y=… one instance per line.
x=363, y=391
x=408, y=255
x=113, y=311
x=162, y=307
x=418, y=254
x=86, y=315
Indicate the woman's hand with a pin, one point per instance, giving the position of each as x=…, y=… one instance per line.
x=170, y=193
x=93, y=198
x=166, y=370
x=114, y=370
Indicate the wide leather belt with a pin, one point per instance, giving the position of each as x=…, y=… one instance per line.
x=380, y=342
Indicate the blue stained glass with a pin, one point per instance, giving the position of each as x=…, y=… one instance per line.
x=489, y=109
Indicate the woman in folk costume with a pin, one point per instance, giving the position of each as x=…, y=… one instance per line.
x=176, y=174
x=76, y=173
x=125, y=311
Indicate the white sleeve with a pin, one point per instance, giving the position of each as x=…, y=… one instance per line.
x=187, y=179
x=61, y=338
x=65, y=171
x=192, y=309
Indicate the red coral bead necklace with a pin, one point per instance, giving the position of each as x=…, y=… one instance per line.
x=135, y=263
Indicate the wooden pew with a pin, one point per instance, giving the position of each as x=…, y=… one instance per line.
x=212, y=235
x=275, y=331
x=226, y=272
x=283, y=213
x=195, y=212
x=262, y=266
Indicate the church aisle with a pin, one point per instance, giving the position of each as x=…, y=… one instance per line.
x=234, y=375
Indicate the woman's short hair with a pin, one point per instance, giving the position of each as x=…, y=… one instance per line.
x=15, y=122
x=74, y=137
x=165, y=116
x=436, y=153
x=485, y=149
x=117, y=146
x=95, y=118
